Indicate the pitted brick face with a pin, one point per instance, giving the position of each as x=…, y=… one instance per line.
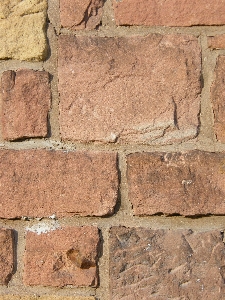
x=6, y=255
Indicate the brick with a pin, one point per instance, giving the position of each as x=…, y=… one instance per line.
x=62, y=257
x=19, y=297
x=81, y=14
x=23, y=29
x=165, y=264
x=6, y=255
x=217, y=98
x=26, y=98
x=217, y=41
x=39, y=183
x=118, y=99
x=169, y=13
x=191, y=183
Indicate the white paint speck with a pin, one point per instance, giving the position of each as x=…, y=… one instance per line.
x=44, y=227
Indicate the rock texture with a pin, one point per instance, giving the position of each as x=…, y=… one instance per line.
x=165, y=264
x=40, y=183
x=26, y=98
x=23, y=29
x=169, y=13
x=81, y=14
x=62, y=257
x=18, y=297
x=217, y=42
x=217, y=98
x=6, y=255
x=129, y=89
x=191, y=183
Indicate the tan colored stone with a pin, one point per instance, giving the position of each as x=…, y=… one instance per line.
x=23, y=29
x=166, y=264
x=6, y=255
x=129, y=89
x=26, y=98
x=19, y=297
x=217, y=98
x=169, y=13
x=40, y=183
x=62, y=257
x=191, y=183
x=81, y=14
x=217, y=41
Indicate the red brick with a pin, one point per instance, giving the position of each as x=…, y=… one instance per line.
x=217, y=98
x=62, y=257
x=81, y=14
x=38, y=183
x=169, y=13
x=26, y=100
x=166, y=264
x=191, y=183
x=117, y=99
x=217, y=42
x=6, y=255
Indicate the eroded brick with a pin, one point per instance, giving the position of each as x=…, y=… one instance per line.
x=191, y=183
x=26, y=98
x=6, y=255
x=81, y=14
x=62, y=257
x=38, y=183
x=217, y=41
x=217, y=98
x=166, y=264
x=117, y=99
x=169, y=13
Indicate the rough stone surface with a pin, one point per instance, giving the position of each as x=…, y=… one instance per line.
x=217, y=42
x=26, y=98
x=138, y=89
x=6, y=255
x=191, y=183
x=81, y=14
x=38, y=183
x=23, y=29
x=217, y=98
x=165, y=264
x=62, y=257
x=169, y=13
x=18, y=297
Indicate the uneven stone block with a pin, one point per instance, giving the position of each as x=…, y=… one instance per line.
x=217, y=41
x=169, y=13
x=166, y=264
x=191, y=183
x=81, y=14
x=23, y=29
x=217, y=98
x=129, y=89
x=40, y=183
x=62, y=257
x=6, y=255
x=26, y=98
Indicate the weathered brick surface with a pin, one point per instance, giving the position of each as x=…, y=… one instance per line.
x=118, y=98
x=19, y=297
x=6, y=255
x=217, y=98
x=81, y=14
x=22, y=29
x=62, y=257
x=217, y=42
x=26, y=97
x=165, y=264
x=191, y=183
x=169, y=13
x=40, y=183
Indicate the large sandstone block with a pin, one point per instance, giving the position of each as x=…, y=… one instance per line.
x=166, y=264
x=62, y=257
x=169, y=13
x=191, y=183
x=6, y=255
x=26, y=99
x=129, y=89
x=23, y=29
x=40, y=183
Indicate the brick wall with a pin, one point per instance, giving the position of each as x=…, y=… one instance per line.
x=112, y=162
